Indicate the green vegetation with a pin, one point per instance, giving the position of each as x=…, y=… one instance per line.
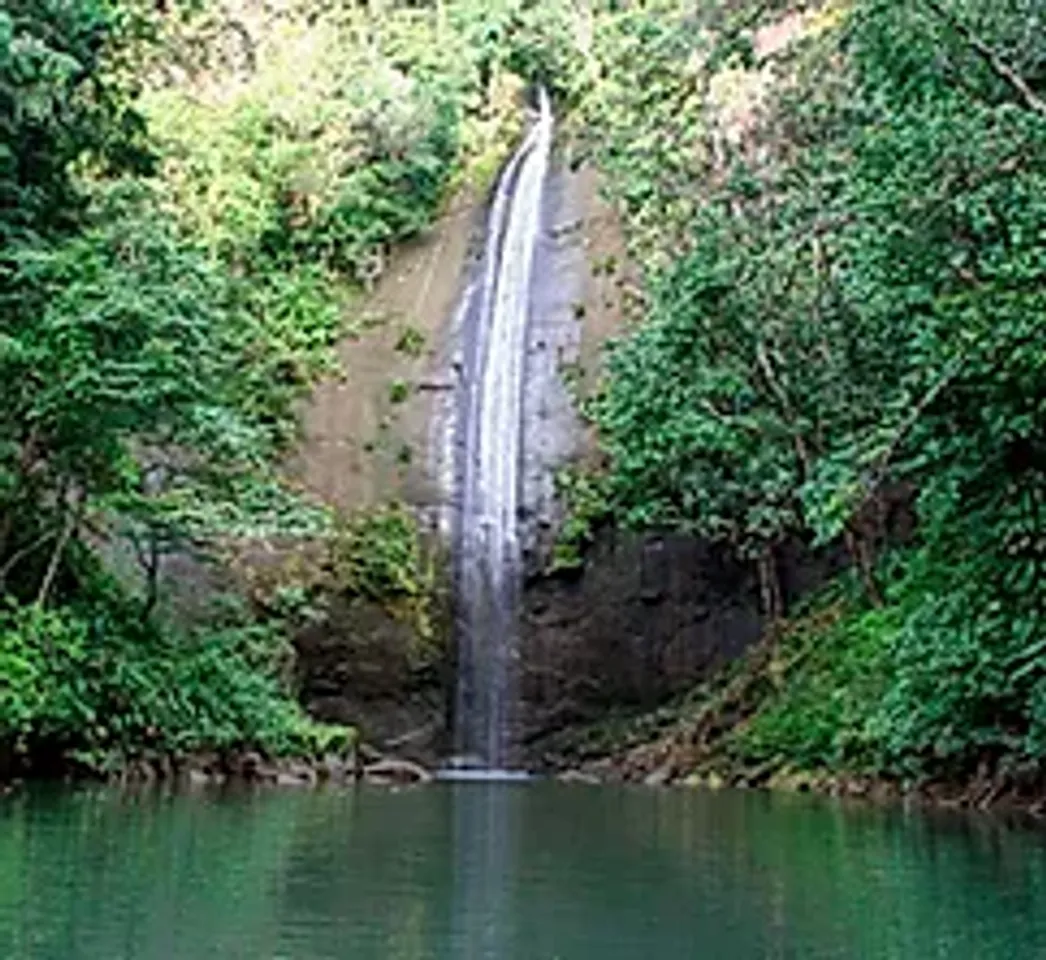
x=89, y=683
x=191, y=201
x=843, y=238
x=139, y=409
x=839, y=214
x=373, y=556
x=586, y=507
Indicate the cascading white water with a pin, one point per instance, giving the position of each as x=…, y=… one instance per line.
x=489, y=567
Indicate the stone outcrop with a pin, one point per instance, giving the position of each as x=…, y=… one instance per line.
x=361, y=666
x=645, y=618
x=651, y=616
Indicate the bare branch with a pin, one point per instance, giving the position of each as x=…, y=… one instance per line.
x=781, y=395
x=882, y=466
x=72, y=521
x=56, y=556
x=19, y=555
x=991, y=58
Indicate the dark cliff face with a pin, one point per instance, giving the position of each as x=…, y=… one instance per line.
x=646, y=618
x=649, y=617
x=362, y=666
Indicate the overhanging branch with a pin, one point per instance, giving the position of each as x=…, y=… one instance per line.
x=991, y=58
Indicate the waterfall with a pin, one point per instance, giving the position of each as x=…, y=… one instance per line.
x=489, y=555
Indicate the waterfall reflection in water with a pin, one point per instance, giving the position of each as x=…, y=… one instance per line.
x=509, y=872
x=484, y=838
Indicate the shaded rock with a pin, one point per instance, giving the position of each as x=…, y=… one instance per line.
x=659, y=777
x=578, y=776
x=198, y=778
x=437, y=383
x=359, y=668
x=389, y=772
x=296, y=775
x=250, y=766
x=368, y=753
x=336, y=769
x=645, y=618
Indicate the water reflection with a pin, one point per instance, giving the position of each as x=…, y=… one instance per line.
x=486, y=829
x=508, y=871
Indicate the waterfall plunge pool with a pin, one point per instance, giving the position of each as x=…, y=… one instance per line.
x=541, y=871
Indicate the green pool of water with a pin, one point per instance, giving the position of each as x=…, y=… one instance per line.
x=511, y=871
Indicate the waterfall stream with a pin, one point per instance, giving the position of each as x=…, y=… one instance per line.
x=489, y=555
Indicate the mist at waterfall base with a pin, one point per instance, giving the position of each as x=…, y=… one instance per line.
x=488, y=554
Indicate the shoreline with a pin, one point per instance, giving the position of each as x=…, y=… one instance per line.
x=986, y=796
x=249, y=770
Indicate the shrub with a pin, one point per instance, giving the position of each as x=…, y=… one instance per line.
x=90, y=683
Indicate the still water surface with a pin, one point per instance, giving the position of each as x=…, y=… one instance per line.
x=513, y=872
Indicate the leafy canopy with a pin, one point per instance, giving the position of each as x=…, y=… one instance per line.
x=846, y=276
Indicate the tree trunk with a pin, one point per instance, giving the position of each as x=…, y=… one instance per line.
x=862, y=556
x=770, y=593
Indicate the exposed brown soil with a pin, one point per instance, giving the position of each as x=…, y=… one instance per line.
x=609, y=278
x=365, y=429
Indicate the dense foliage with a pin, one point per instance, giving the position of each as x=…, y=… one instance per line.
x=844, y=237
x=840, y=217
x=56, y=107
x=139, y=412
x=190, y=198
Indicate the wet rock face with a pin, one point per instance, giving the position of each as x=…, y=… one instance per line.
x=552, y=430
x=646, y=618
x=360, y=667
x=577, y=304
